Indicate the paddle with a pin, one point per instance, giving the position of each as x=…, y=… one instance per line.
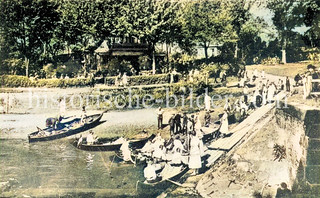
x=176, y=183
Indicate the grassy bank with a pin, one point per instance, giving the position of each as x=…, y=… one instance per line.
x=290, y=69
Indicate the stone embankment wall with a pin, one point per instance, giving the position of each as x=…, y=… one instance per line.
x=252, y=168
x=310, y=119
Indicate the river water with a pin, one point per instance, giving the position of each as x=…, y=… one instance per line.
x=58, y=165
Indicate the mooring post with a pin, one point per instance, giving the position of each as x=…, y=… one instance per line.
x=7, y=110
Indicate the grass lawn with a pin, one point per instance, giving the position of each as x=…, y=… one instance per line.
x=290, y=69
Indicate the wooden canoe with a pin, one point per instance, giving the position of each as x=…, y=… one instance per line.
x=65, y=129
x=107, y=145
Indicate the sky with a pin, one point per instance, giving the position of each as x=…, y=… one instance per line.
x=266, y=14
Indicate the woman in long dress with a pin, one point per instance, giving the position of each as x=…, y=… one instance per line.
x=207, y=101
x=224, y=123
x=124, y=79
x=198, y=125
x=196, y=151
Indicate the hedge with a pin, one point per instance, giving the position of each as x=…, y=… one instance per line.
x=144, y=80
x=22, y=81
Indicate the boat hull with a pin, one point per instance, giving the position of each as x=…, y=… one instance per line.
x=96, y=121
x=113, y=147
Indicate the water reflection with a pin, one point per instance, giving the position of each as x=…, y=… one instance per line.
x=89, y=160
x=58, y=164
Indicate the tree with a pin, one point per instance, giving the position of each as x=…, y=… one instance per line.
x=239, y=11
x=150, y=21
x=27, y=27
x=250, y=44
x=206, y=22
x=286, y=16
x=311, y=19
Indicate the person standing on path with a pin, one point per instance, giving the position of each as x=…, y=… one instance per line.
x=185, y=123
x=177, y=123
x=224, y=124
x=196, y=151
x=172, y=124
x=287, y=84
x=207, y=119
x=160, y=117
x=62, y=107
x=207, y=101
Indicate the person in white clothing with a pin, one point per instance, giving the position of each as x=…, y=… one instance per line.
x=126, y=152
x=124, y=79
x=150, y=172
x=207, y=102
x=90, y=138
x=224, y=128
x=62, y=107
x=196, y=151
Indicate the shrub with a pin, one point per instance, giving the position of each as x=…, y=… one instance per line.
x=144, y=80
x=314, y=57
x=22, y=81
x=270, y=61
x=15, y=81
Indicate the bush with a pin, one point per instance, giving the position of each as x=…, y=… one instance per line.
x=270, y=61
x=15, y=81
x=144, y=80
x=314, y=57
x=22, y=81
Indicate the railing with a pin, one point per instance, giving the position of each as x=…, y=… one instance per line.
x=310, y=83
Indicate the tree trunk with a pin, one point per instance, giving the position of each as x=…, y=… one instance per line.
x=153, y=64
x=26, y=62
x=236, y=51
x=167, y=49
x=284, y=56
x=205, y=51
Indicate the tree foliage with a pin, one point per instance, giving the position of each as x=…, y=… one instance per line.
x=27, y=27
x=207, y=22
x=312, y=20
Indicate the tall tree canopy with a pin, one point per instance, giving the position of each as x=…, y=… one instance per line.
x=207, y=22
x=312, y=20
x=287, y=15
x=27, y=26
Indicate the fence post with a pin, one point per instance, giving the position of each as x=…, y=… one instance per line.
x=309, y=85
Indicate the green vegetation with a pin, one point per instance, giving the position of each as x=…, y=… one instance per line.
x=22, y=81
x=37, y=33
x=290, y=69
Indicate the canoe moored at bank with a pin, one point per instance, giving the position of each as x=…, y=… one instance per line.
x=65, y=129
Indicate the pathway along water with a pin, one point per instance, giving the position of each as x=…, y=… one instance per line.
x=57, y=165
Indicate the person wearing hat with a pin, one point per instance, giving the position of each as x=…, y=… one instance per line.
x=83, y=115
x=160, y=117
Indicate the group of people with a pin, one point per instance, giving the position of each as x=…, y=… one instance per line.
x=121, y=80
x=177, y=151
x=305, y=80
